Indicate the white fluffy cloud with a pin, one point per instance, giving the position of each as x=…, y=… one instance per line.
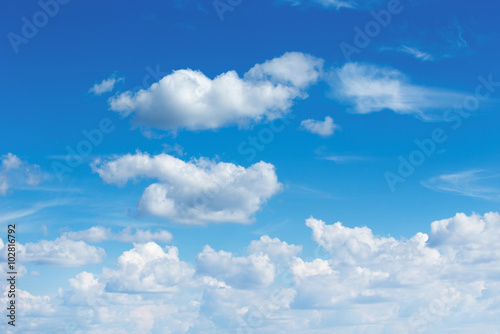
x=14, y=171
x=147, y=267
x=369, y=88
x=323, y=128
x=188, y=99
x=195, y=192
x=100, y=234
x=107, y=85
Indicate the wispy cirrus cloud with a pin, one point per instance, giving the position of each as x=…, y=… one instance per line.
x=15, y=172
x=472, y=183
x=412, y=51
x=370, y=88
x=336, y=4
x=97, y=234
x=343, y=159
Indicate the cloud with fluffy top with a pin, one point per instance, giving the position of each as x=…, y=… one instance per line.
x=369, y=88
x=188, y=99
x=148, y=267
x=14, y=171
x=322, y=128
x=195, y=192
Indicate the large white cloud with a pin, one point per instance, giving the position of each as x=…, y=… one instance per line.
x=370, y=88
x=189, y=99
x=194, y=192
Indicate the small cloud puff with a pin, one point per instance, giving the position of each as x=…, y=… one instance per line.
x=323, y=128
x=107, y=85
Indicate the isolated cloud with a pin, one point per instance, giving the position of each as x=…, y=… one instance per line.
x=369, y=88
x=194, y=192
x=187, y=99
x=323, y=128
x=100, y=234
x=472, y=183
x=107, y=85
x=61, y=252
x=14, y=172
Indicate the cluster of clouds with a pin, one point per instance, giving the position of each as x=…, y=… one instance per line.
x=73, y=249
x=15, y=172
x=188, y=99
x=195, y=192
x=444, y=281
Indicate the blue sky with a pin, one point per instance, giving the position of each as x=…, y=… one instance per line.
x=229, y=124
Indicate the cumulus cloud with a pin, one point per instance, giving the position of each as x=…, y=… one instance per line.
x=369, y=88
x=148, y=267
x=194, y=192
x=99, y=234
x=468, y=239
x=107, y=85
x=14, y=172
x=61, y=252
x=323, y=128
x=188, y=99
